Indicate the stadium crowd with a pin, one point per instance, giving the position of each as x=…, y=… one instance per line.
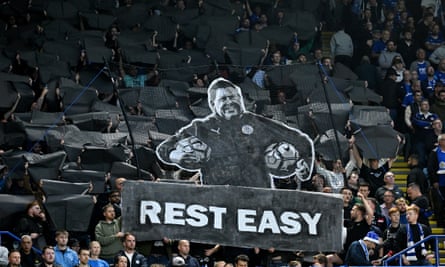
x=397, y=47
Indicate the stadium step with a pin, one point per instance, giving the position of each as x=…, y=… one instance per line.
x=325, y=41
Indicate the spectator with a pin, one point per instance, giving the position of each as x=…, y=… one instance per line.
x=74, y=244
x=363, y=188
x=391, y=93
x=29, y=257
x=359, y=251
x=48, y=257
x=132, y=78
x=389, y=180
x=19, y=66
x=361, y=218
x=379, y=44
x=429, y=85
x=244, y=26
x=65, y=256
x=407, y=88
x=412, y=233
x=14, y=259
x=4, y=253
x=342, y=48
x=84, y=257
x=388, y=203
x=320, y=260
x=108, y=233
x=438, y=130
x=135, y=259
x=114, y=199
x=33, y=224
x=436, y=174
x=412, y=109
x=242, y=260
x=255, y=14
x=352, y=182
x=386, y=57
x=438, y=54
x=401, y=204
x=378, y=222
x=423, y=28
x=439, y=75
x=184, y=252
x=435, y=40
x=390, y=233
x=416, y=174
x=335, y=178
x=94, y=260
x=373, y=174
x=121, y=261
x=420, y=64
x=276, y=59
x=423, y=131
x=368, y=72
x=328, y=67
x=111, y=38
x=347, y=202
x=407, y=47
x=416, y=198
x=318, y=183
x=438, y=106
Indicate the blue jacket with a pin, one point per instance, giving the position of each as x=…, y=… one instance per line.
x=67, y=259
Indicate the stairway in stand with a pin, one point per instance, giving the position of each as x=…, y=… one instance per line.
x=401, y=170
x=325, y=41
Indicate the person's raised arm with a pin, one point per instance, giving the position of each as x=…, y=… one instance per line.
x=248, y=8
x=369, y=211
x=356, y=153
x=265, y=52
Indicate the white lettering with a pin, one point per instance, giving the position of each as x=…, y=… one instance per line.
x=174, y=213
x=244, y=220
x=217, y=215
x=268, y=221
x=291, y=224
x=197, y=218
x=150, y=209
x=311, y=222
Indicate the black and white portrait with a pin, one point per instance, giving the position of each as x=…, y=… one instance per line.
x=233, y=146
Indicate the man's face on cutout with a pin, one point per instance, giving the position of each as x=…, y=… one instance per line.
x=227, y=103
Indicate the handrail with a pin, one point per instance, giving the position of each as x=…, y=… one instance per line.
x=18, y=239
x=436, y=252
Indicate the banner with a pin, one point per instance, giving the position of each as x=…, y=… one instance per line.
x=233, y=216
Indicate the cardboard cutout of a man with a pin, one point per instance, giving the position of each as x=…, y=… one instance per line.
x=232, y=146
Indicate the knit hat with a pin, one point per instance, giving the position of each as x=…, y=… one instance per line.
x=372, y=237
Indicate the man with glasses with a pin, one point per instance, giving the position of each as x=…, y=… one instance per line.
x=388, y=203
x=389, y=180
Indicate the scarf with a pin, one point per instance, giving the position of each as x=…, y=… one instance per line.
x=411, y=253
x=365, y=249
